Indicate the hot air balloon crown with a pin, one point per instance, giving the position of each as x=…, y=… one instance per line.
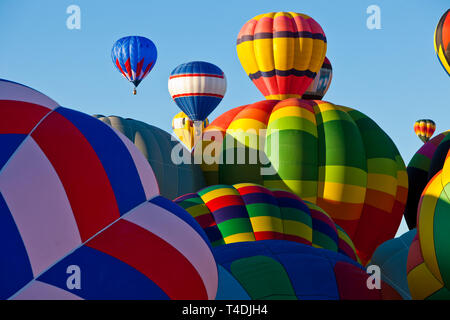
x=282, y=52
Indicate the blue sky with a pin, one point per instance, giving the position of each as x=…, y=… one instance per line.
x=391, y=74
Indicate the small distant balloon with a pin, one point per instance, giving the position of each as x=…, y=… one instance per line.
x=183, y=127
x=319, y=87
x=134, y=57
x=197, y=88
x=424, y=129
x=442, y=41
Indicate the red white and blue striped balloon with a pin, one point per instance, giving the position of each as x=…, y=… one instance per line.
x=197, y=88
x=76, y=192
x=134, y=57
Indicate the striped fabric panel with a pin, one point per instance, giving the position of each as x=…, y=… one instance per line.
x=274, y=73
x=185, y=236
x=46, y=219
x=12, y=91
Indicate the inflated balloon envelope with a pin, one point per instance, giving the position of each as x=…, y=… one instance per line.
x=331, y=155
x=80, y=212
x=270, y=244
x=281, y=52
x=175, y=178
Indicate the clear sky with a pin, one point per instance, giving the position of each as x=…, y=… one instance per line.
x=391, y=74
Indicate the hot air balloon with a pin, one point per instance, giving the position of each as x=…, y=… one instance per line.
x=134, y=57
x=424, y=129
x=442, y=41
x=391, y=256
x=425, y=163
x=183, y=127
x=319, y=87
x=281, y=52
x=197, y=88
x=287, y=270
x=250, y=212
x=174, y=179
x=75, y=194
x=333, y=156
x=270, y=244
x=428, y=268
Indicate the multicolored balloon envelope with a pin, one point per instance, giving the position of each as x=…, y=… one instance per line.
x=197, y=88
x=425, y=163
x=281, y=269
x=330, y=155
x=281, y=52
x=428, y=266
x=134, y=57
x=442, y=41
x=424, y=129
x=250, y=212
x=391, y=256
x=319, y=87
x=80, y=214
x=183, y=127
x=174, y=178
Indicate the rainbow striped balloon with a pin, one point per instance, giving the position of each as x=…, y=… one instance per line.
x=197, y=88
x=75, y=194
x=428, y=259
x=250, y=212
x=333, y=156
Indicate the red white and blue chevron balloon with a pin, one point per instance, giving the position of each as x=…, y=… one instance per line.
x=197, y=88
x=76, y=194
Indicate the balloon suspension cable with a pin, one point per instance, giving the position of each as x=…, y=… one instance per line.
x=134, y=91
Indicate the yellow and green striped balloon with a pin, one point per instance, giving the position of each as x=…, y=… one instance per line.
x=330, y=155
x=428, y=265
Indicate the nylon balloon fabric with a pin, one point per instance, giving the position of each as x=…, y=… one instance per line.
x=330, y=155
x=197, y=88
x=281, y=52
x=424, y=129
x=183, y=127
x=319, y=87
x=174, y=179
x=424, y=164
x=428, y=268
x=286, y=270
x=442, y=41
x=392, y=256
x=79, y=201
x=134, y=57
x=250, y=212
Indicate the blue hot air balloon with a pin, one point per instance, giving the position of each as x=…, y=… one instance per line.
x=197, y=88
x=134, y=57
